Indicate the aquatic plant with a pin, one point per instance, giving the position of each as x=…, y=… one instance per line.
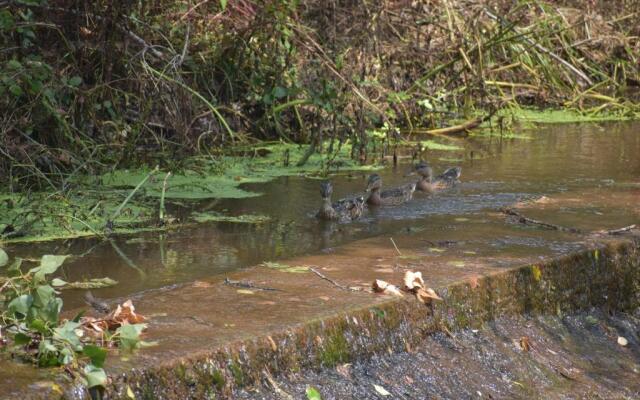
x=31, y=325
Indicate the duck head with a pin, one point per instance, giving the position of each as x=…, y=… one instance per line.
x=326, y=189
x=374, y=183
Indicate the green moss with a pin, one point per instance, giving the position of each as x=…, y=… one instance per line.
x=335, y=350
x=238, y=375
x=218, y=380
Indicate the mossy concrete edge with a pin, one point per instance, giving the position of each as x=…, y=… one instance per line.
x=604, y=275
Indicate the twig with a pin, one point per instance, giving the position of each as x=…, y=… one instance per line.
x=620, y=230
x=334, y=283
x=275, y=386
x=247, y=285
x=396, y=247
x=525, y=220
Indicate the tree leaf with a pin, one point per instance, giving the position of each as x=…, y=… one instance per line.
x=95, y=376
x=223, y=4
x=67, y=333
x=43, y=295
x=4, y=258
x=97, y=354
x=21, y=304
x=313, y=394
x=58, y=282
x=381, y=391
x=130, y=335
x=48, y=265
x=20, y=339
x=75, y=81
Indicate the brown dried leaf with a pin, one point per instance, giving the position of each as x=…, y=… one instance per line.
x=380, y=286
x=525, y=343
x=413, y=280
x=427, y=295
x=344, y=370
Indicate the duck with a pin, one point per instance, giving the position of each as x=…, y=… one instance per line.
x=429, y=184
x=450, y=176
x=342, y=210
x=389, y=197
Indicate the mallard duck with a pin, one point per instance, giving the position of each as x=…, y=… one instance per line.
x=450, y=176
x=428, y=184
x=343, y=210
x=389, y=197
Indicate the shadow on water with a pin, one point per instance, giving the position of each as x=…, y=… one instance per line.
x=582, y=164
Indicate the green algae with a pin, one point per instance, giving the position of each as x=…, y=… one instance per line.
x=217, y=217
x=434, y=145
x=43, y=216
x=286, y=268
x=562, y=116
x=127, y=201
x=222, y=177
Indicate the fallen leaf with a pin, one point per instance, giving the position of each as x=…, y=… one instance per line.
x=381, y=391
x=457, y=263
x=426, y=295
x=413, y=280
x=344, y=370
x=525, y=344
x=201, y=284
x=622, y=341
x=245, y=291
x=325, y=298
x=313, y=394
x=273, y=344
x=380, y=286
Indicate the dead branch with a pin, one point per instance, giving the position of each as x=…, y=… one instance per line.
x=530, y=221
x=620, y=231
x=334, y=283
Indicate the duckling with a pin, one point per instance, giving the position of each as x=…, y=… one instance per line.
x=389, y=197
x=343, y=210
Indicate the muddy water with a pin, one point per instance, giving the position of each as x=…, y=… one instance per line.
x=589, y=175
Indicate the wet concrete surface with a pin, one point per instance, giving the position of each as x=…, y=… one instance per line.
x=547, y=357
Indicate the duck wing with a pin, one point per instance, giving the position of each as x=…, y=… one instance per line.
x=450, y=176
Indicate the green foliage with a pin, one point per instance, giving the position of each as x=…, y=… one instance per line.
x=30, y=315
x=313, y=394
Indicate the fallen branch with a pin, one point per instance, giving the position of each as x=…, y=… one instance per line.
x=620, y=230
x=247, y=285
x=334, y=283
x=526, y=220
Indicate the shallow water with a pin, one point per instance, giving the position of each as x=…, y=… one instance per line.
x=591, y=173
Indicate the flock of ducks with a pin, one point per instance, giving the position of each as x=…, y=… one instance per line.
x=352, y=208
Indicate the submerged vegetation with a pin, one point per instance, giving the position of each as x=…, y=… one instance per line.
x=96, y=95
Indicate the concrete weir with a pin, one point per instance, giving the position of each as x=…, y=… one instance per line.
x=215, y=338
